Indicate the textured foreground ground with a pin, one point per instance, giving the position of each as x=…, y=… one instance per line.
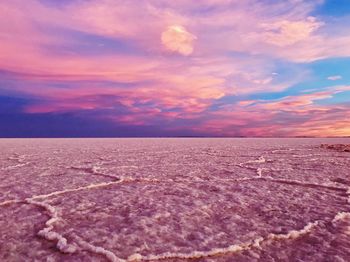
x=174, y=200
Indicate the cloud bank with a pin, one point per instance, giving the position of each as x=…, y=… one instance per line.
x=218, y=68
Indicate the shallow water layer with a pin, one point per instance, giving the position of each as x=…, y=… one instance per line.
x=174, y=200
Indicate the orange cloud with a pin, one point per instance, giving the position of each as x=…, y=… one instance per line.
x=177, y=39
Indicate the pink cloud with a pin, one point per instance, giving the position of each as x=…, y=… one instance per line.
x=290, y=116
x=291, y=103
x=334, y=78
x=285, y=33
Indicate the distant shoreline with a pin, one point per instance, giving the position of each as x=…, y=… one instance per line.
x=169, y=137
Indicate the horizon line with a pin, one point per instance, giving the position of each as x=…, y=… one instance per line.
x=92, y=137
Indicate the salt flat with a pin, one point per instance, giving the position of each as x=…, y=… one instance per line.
x=174, y=199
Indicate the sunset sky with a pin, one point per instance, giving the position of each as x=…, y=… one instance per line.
x=174, y=68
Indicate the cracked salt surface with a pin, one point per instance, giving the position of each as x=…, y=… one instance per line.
x=174, y=200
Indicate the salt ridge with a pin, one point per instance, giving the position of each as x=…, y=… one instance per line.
x=11, y=201
x=344, y=216
x=48, y=233
x=255, y=243
x=98, y=250
x=94, y=170
x=261, y=159
x=91, y=186
x=15, y=166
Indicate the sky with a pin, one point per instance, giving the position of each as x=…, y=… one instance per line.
x=120, y=68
